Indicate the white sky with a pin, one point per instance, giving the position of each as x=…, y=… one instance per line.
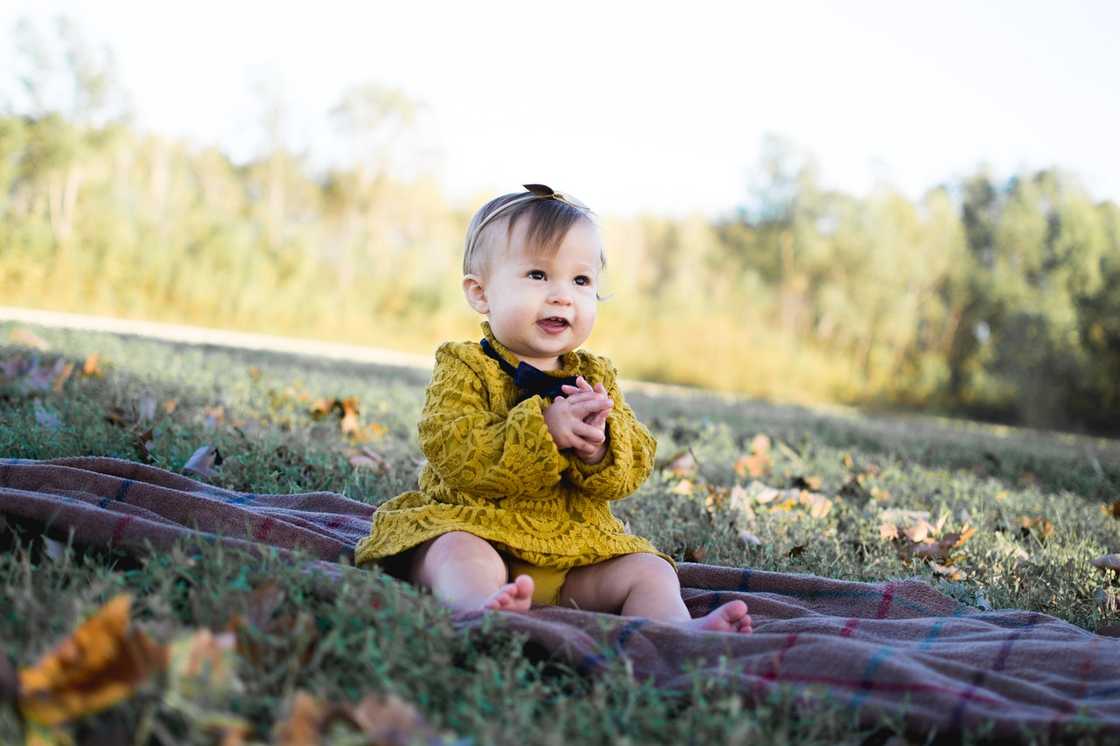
x=657, y=106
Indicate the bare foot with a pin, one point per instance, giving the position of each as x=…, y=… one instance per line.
x=731, y=617
x=515, y=596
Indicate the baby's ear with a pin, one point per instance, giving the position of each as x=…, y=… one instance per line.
x=476, y=294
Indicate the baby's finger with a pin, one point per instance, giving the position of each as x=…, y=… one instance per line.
x=584, y=407
x=588, y=433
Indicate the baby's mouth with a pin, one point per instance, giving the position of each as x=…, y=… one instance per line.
x=553, y=324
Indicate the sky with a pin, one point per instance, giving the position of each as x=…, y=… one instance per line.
x=639, y=107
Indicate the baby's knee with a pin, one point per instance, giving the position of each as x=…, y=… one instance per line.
x=460, y=549
x=650, y=567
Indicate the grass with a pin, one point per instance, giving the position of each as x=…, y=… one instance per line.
x=1041, y=506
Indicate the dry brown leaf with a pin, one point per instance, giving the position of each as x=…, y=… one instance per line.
x=101, y=663
x=169, y=405
x=383, y=720
x=1037, y=525
x=204, y=462
x=913, y=524
x=1113, y=510
x=391, y=721
x=303, y=726
x=696, y=554
x=682, y=464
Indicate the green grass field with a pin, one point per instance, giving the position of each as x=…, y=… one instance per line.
x=1030, y=512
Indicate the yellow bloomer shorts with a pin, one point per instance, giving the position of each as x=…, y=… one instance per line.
x=546, y=580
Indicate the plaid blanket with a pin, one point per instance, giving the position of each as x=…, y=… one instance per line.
x=897, y=649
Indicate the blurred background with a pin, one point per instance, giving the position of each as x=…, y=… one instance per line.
x=892, y=205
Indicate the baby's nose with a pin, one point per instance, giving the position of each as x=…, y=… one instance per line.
x=560, y=295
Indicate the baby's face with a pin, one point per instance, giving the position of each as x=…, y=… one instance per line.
x=540, y=306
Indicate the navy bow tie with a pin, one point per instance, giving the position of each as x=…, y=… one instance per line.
x=529, y=379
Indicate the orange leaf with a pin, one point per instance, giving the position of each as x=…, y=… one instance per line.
x=100, y=664
x=304, y=722
x=350, y=424
x=92, y=365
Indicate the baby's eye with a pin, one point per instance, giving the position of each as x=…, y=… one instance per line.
x=583, y=280
x=533, y=274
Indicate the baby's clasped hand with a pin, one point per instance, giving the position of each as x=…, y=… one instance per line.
x=578, y=419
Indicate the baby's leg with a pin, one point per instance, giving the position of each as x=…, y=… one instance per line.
x=467, y=574
x=645, y=585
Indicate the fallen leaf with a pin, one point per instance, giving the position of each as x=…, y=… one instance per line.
x=92, y=366
x=758, y=462
x=695, y=555
x=169, y=405
x=28, y=338
x=383, y=720
x=392, y=721
x=1113, y=510
x=62, y=376
x=812, y=483
x=349, y=423
x=683, y=464
x=101, y=663
x=305, y=721
x=371, y=432
x=943, y=571
x=683, y=487
x=204, y=461
x=1037, y=525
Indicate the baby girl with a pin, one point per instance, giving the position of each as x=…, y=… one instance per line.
x=528, y=439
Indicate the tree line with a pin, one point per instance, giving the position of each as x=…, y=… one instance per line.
x=990, y=298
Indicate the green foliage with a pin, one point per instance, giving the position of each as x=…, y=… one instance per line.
x=982, y=298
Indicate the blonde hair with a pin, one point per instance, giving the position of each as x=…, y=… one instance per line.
x=549, y=218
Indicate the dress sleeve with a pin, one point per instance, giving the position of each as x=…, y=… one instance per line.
x=477, y=450
x=630, y=452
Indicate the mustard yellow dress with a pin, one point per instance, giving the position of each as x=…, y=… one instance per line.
x=494, y=471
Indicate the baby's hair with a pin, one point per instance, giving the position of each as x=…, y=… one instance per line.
x=550, y=218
